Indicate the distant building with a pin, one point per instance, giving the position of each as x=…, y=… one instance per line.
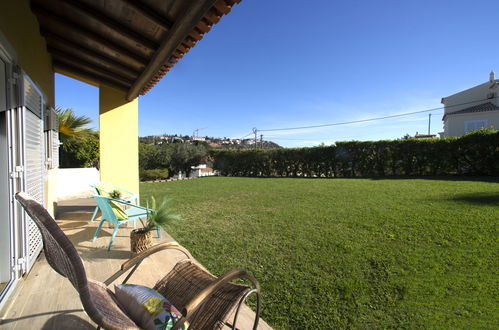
x=472, y=109
x=424, y=136
x=201, y=170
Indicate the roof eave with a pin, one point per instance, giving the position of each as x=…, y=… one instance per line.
x=170, y=42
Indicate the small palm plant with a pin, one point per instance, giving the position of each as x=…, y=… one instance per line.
x=157, y=217
x=160, y=216
x=116, y=194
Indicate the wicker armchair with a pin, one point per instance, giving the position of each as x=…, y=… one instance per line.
x=204, y=300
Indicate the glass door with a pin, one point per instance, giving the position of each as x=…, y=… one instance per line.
x=6, y=228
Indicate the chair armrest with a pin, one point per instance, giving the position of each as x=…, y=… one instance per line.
x=137, y=259
x=225, y=278
x=131, y=196
x=127, y=203
x=154, y=249
x=198, y=301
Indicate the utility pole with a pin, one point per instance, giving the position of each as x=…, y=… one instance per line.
x=255, y=131
x=261, y=141
x=429, y=123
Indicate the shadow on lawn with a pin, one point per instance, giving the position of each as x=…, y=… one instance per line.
x=494, y=179
x=488, y=198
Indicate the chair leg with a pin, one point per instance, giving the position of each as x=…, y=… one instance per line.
x=241, y=302
x=98, y=230
x=95, y=214
x=115, y=231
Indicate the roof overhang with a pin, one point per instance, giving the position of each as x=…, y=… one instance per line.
x=479, y=108
x=126, y=44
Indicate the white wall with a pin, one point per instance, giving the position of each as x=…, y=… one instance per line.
x=473, y=96
x=455, y=123
x=75, y=182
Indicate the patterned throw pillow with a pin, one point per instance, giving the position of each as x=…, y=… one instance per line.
x=148, y=308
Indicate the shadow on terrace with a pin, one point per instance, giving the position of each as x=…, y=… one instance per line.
x=46, y=300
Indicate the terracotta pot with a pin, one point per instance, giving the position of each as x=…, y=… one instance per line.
x=140, y=240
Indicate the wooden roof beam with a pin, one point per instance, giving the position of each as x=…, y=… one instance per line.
x=149, y=13
x=59, y=42
x=171, y=40
x=63, y=24
x=91, y=68
x=110, y=23
x=115, y=70
x=89, y=76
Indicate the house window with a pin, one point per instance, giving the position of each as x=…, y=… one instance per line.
x=471, y=125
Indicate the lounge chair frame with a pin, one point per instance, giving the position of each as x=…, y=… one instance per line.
x=133, y=212
x=130, y=197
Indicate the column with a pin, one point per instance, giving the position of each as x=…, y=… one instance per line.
x=119, y=143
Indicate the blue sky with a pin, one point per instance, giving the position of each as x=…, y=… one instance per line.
x=286, y=63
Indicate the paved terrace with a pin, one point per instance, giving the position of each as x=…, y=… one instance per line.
x=46, y=300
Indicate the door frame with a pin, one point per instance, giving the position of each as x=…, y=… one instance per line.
x=16, y=250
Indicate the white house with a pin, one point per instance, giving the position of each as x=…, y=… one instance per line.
x=472, y=109
x=201, y=170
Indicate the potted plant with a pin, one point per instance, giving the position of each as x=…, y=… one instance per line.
x=116, y=194
x=157, y=217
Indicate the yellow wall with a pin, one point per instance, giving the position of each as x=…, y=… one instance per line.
x=20, y=27
x=50, y=187
x=20, y=36
x=119, y=143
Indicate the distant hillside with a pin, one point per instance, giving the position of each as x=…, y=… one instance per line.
x=212, y=142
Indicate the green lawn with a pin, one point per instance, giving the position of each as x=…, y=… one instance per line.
x=356, y=253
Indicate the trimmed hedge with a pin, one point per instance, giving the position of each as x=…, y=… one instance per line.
x=155, y=174
x=475, y=153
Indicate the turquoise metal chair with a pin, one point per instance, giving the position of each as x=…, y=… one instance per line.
x=111, y=212
x=104, y=189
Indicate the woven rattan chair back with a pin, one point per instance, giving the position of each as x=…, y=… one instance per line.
x=186, y=280
x=62, y=256
x=59, y=251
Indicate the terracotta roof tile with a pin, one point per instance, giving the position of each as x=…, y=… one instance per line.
x=213, y=16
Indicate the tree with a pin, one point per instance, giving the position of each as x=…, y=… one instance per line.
x=186, y=155
x=148, y=154
x=82, y=153
x=80, y=144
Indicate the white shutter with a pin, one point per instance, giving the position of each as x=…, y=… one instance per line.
x=34, y=159
x=54, y=140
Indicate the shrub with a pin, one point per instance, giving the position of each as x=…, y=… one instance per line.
x=156, y=174
x=474, y=153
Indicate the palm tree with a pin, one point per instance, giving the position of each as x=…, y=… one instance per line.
x=72, y=128
x=80, y=144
